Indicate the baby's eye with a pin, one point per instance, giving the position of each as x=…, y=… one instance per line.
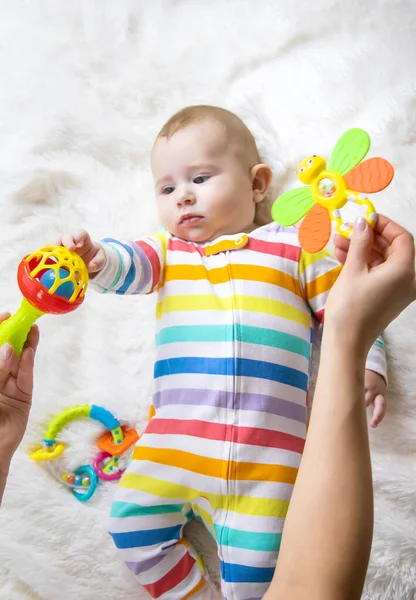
x=168, y=189
x=201, y=179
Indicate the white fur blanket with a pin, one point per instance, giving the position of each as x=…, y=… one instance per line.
x=85, y=87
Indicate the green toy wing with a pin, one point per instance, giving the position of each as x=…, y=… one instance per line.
x=349, y=150
x=291, y=206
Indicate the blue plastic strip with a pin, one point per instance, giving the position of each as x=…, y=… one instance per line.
x=48, y=442
x=104, y=416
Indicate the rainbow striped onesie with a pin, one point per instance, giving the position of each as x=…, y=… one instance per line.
x=233, y=342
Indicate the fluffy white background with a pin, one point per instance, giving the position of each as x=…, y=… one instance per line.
x=85, y=88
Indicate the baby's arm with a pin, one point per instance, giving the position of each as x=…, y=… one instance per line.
x=317, y=274
x=123, y=267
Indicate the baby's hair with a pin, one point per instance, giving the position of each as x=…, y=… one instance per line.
x=236, y=130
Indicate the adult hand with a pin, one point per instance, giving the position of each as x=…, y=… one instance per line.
x=16, y=386
x=377, y=281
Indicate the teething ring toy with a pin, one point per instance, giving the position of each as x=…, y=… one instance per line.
x=329, y=189
x=116, y=440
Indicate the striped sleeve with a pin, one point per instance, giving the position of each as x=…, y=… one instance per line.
x=317, y=274
x=132, y=267
x=377, y=358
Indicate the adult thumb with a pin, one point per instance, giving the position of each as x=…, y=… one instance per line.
x=359, y=252
x=6, y=353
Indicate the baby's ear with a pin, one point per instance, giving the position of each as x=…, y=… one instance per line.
x=261, y=178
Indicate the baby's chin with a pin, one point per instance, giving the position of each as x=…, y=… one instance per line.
x=195, y=236
x=199, y=235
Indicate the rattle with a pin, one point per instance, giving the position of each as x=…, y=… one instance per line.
x=111, y=444
x=52, y=280
x=330, y=188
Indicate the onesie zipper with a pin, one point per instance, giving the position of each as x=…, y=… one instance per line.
x=230, y=430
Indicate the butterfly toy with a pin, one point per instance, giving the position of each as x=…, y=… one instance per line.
x=328, y=189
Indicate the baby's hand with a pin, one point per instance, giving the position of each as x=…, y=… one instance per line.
x=91, y=252
x=375, y=393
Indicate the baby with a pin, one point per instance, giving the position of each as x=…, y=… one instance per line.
x=236, y=304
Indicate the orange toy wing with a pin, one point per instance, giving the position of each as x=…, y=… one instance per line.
x=372, y=175
x=315, y=229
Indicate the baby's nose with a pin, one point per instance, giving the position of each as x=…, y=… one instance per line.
x=186, y=198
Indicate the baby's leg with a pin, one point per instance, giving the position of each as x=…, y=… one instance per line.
x=248, y=558
x=148, y=530
x=249, y=531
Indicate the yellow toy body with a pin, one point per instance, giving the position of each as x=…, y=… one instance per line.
x=15, y=329
x=329, y=190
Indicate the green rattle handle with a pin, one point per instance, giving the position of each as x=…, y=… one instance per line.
x=15, y=329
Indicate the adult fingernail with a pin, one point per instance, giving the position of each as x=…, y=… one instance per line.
x=6, y=351
x=360, y=224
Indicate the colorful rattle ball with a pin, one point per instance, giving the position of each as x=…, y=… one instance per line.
x=65, y=290
x=52, y=280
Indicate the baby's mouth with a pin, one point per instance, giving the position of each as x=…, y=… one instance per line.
x=190, y=220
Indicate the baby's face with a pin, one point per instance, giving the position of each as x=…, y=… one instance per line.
x=203, y=189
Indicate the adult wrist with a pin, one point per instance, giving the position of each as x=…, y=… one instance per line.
x=6, y=454
x=5, y=460
x=348, y=341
